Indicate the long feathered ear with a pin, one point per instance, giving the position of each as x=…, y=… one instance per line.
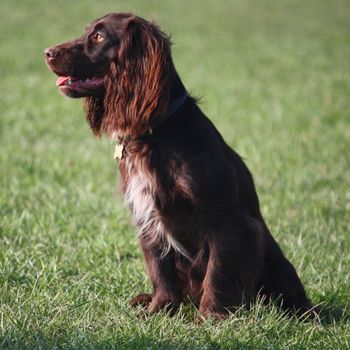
x=138, y=81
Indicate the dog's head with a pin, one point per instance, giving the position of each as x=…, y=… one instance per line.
x=121, y=66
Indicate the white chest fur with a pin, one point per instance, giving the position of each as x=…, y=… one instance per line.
x=140, y=197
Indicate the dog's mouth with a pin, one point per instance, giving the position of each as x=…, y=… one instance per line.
x=75, y=87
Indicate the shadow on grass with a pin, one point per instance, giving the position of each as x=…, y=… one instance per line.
x=72, y=338
x=86, y=341
x=331, y=313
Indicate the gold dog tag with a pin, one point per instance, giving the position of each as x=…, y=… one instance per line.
x=118, y=151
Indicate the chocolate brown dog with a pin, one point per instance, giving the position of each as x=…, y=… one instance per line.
x=192, y=198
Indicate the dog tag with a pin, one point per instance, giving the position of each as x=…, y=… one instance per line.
x=118, y=151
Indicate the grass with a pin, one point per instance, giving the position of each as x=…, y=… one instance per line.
x=275, y=79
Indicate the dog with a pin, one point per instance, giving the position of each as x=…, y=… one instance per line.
x=191, y=196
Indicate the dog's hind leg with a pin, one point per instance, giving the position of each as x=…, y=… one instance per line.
x=233, y=267
x=280, y=281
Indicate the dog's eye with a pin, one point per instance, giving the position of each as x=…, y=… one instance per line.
x=98, y=38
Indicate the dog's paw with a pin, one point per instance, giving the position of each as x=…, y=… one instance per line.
x=308, y=313
x=209, y=309
x=163, y=303
x=209, y=314
x=142, y=300
x=156, y=303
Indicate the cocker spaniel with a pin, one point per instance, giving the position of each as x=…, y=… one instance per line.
x=191, y=196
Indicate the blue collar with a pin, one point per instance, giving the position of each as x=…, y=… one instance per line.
x=173, y=107
x=120, y=148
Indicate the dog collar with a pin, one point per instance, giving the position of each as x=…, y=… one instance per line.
x=119, y=151
x=172, y=108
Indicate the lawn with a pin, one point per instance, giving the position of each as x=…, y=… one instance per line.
x=274, y=76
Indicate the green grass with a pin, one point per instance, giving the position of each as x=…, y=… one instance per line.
x=275, y=79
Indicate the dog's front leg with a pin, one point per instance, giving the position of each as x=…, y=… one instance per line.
x=162, y=272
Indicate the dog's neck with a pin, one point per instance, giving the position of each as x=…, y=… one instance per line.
x=177, y=97
x=176, y=89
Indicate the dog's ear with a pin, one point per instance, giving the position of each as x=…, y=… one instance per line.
x=138, y=79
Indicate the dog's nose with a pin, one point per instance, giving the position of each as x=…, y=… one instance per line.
x=51, y=52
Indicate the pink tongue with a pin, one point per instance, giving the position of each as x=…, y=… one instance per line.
x=61, y=80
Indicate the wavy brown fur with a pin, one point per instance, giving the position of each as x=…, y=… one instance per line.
x=192, y=197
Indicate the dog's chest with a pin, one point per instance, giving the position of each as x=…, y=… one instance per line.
x=140, y=193
x=140, y=197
